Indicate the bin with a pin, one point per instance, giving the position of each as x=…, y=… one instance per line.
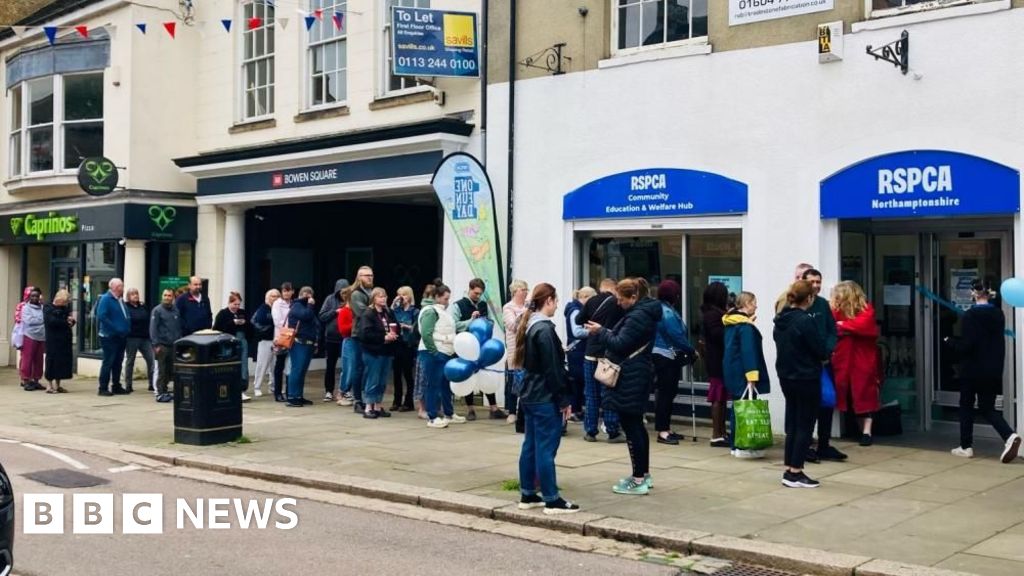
x=207, y=388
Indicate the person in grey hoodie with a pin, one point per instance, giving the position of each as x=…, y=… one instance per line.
x=164, y=331
x=332, y=338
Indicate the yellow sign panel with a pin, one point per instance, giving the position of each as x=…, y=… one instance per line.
x=458, y=31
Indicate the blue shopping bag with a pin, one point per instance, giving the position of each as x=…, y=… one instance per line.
x=828, y=390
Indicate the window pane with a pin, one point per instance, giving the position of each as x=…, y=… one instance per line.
x=629, y=27
x=653, y=22
x=16, y=108
x=41, y=101
x=83, y=97
x=317, y=91
x=678, y=20
x=261, y=46
x=317, y=55
x=331, y=57
x=261, y=102
x=342, y=54
x=250, y=75
x=250, y=103
x=340, y=86
x=82, y=141
x=270, y=101
x=270, y=39
x=40, y=149
x=15, y=167
x=699, y=23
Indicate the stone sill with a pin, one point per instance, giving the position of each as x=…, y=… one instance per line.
x=20, y=183
x=321, y=114
x=243, y=127
x=930, y=15
x=384, y=102
x=699, y=49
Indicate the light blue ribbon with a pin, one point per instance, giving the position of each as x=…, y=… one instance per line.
x=947, y=304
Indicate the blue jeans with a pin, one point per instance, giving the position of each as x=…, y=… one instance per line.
x=300, y=355
x=377, y=369
x=113, y=358
x=352, y=368
x=432, y=366
x=592, y=390
x=537, y=458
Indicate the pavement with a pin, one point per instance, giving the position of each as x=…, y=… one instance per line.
x=892, y=504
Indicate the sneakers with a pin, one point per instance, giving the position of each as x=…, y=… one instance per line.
x=328, y=397
x=498, y=414
x=602, y=428
x=648, y=480
x=530, y=501
x=471, y=415
x=456, y=419
x=1011, y=449
x=104, y=393
x=798, y=480
x=719, y=442
x=245, y=397
x=345, y=400
x=511, y=419
x=560, y=506
x=665, y=440
x=422, y=415
x=619, y=438
x=866, y=440
x=963, y=452
x=589, y=438
x=747, y=454
x=437, y=423
x=812, y=456
x=165, y=397
x=257, y=393
x=631, y=487
x=830, y=453
x=576, y=419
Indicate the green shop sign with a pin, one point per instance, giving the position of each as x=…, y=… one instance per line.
x=97, y=176
x=151, y=222
x=39, y=227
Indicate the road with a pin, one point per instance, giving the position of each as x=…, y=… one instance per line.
x=328, y=539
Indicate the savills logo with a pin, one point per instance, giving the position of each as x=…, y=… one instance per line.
x=162, y=216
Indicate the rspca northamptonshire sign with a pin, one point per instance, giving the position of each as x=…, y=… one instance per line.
x=921, y=183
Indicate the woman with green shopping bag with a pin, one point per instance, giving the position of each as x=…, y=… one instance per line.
x=801, y=356
x=746, y=375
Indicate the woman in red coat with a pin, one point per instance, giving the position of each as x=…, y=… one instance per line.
x=855, y=359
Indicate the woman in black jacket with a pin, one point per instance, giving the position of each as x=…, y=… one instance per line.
x=629, y=344
x=138, y=339
x=378, y=332
x=59, y=360
x=982, y=352
x=544, y=398
x=235, y=321
x=716, y=299
x=301, y=316
x=801, y=355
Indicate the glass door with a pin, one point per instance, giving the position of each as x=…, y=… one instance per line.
x=67, y=276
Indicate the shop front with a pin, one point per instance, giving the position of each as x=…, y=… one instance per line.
x=915, y=229
x=79, y=246
x=660, y=224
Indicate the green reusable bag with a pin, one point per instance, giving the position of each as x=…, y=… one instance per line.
x=753, y=423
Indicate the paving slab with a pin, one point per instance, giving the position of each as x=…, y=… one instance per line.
x=981, y=565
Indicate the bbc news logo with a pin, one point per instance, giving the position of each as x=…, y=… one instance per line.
x=94, y=513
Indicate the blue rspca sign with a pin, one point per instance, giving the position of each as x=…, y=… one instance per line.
x=921, y=183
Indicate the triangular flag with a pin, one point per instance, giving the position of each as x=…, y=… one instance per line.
x=255, y=23
x=142, y=27
x=283, y=22
x=227, y=24
x=51, y=34
x=318, y=13
x=310, y=20
x=83, y=31
x=339, y=19
x=170, y=27
x=19, y=31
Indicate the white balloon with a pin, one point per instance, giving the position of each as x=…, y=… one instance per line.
x=464, y=388
x=467, y=346
x=489, y=382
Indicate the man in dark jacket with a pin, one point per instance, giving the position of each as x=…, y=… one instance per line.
x=164, y=331
x=821, y=313
x=358, y=301
x=332, y=338
x=138, y=340
x=604, y=310
x=194, y=308
x=469, y=308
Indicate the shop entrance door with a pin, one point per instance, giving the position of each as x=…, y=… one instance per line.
x=66, y=275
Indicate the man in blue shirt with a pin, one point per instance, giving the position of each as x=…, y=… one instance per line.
x=195, y=310
x=114, y=327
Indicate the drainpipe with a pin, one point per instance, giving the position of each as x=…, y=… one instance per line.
x=511, y=132
x=483, y=84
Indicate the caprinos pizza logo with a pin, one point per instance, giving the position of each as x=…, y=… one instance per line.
x=162, y=216
x=16, y=223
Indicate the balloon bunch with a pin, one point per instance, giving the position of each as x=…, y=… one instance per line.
x=475, y=350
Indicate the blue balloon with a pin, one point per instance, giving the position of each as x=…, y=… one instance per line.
x=491, y=353
x=1012, y=291
x=482, y=329
x=459, y=370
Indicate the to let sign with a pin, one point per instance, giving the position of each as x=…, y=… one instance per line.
x=434, y=43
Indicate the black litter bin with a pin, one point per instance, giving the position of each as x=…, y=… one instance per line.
x=207, y=388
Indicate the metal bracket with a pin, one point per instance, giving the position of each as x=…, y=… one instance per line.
x=896, y=53
x=552, y=58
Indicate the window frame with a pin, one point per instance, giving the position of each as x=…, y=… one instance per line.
x=872, y=13
x=616, y=51
x=307, y=68
x=385, y=76
x=23, y=168
x=271, y=58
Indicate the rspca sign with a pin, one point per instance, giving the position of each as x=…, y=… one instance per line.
x=921, y=183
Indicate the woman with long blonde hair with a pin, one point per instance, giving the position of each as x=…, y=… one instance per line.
x=855, y=364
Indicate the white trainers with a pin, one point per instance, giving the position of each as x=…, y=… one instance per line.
x=963, y=452
x=1011, y=449
x=455, y=419
x=245, y=397
x=258, y=393
x=345, y=401
x=437, y=423
x=747, y=454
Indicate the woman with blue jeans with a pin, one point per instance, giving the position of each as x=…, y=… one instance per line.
x=436, y=348
x=545, y=400
x=378, y=331
x=303, y=317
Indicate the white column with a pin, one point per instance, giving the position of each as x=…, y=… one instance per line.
x=234, y=254
x=135, y=266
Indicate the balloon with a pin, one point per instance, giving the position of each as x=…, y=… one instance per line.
x=467, y=347
x=1012, y=291
x=458, y=370
x=489, y=381
x=462, y=389
x=482, y=329
x=491, y=353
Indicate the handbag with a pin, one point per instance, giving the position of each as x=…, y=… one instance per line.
x=607, y=372
x=753, y=422
x=828, y=390
x=18, y=335
x=286, y=337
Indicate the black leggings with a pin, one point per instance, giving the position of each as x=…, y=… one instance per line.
x=333, y=353
x=402, y=367
x=985, y=391
x=279, y=361
x=638, y=442
x=666, y=387
x=492, y=399
x=803, y=405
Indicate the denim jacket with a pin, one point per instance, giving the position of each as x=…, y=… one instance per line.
x=671, y=336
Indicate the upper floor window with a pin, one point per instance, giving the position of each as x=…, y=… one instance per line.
x=258, y=60
x=391, y=82
x=881, y=8
x=328, y=54
x=655, y=23
x=55, y=123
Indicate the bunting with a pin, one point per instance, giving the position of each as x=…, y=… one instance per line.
x=339, y=20
x=170, y=27
x=141, y=26
x=51, y=34
x=83, y=31
x=255, y=23
x=310, y=20
x=227, y=24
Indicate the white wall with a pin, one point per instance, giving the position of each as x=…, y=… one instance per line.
x=773, y=118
